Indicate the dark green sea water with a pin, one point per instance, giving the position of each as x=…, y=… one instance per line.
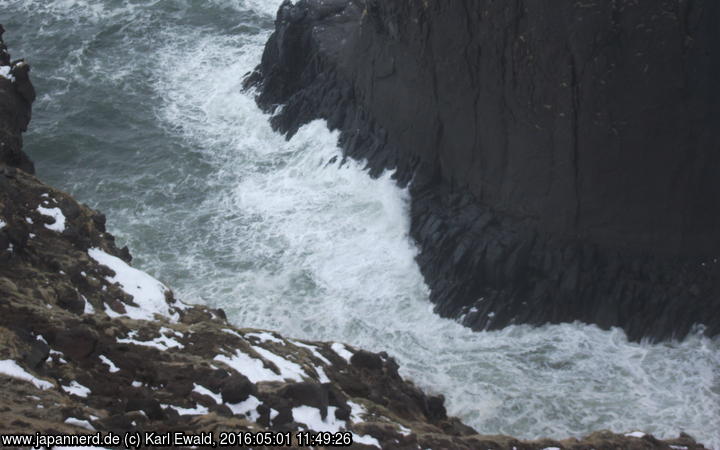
x=140, y=114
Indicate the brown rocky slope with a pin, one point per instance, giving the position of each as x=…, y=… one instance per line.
x=89, y=344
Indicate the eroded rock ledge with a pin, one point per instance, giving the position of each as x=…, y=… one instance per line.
x=89, y=343
x=564, y=157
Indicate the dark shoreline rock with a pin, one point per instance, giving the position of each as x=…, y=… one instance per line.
x=564, y=159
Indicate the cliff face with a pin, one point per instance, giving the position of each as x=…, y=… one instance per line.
x=18, y=95
x=88, y=343
x=564, y=158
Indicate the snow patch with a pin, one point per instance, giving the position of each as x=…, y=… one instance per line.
x=113, y=368
x=341, y=350
x=59, y=355
x=205, y=391
x=357, y=411
x=266, y=337
x=5, y=73
x=311, y=417
x=198, y=410
x=366, y=439
x=145, y=290
x=79, y=423
x=76, y=388
x=233, y=332
x=314, y=351
x=161, y=343
x=288, y=369
x=637, y=434
x=55, y=213
x=12, y=369
x=247, y=408
x=88, y=308
x=322, y=376
x=252, y=368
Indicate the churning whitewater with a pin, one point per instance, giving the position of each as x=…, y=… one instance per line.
x=141, y=114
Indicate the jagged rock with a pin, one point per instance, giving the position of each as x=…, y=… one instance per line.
x=563, y=158
x=236, y=388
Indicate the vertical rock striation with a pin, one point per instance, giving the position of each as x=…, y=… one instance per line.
x=563, y=156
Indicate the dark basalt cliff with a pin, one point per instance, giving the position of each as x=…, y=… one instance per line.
x=89, y=344
x=563, y=157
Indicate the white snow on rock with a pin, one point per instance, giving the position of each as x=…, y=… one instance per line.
x=233, y=332
x=79, y=423
x=405, y=431
x=3, y=224
x=76, y=388
x=341, y=350
x=205, y=391
x=198, y=410
x=265, y=337
x=247, y=408
x=637, y=434
x=322, y=376
x=55, y=213
x=357, y=411
x=5, y=73
x=146, y=291
x=252, y=368
x=288, y=369
x=12, y=369
x=311, y=417
x=314, y=351
x=59, y=355
x=107, y=361
x=366, y=439
x=161, y=343
x=166, y=330
x=88, y=308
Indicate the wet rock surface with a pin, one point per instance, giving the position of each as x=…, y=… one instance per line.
x=563, y=157
x=88, y=343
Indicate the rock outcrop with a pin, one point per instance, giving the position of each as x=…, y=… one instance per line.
x=563, y=156
x=89, y=344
